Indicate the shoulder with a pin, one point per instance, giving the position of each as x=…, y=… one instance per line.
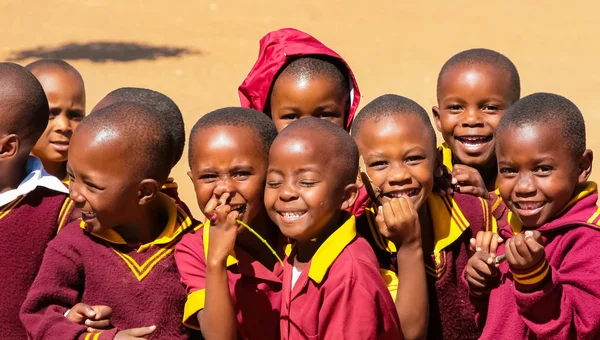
x=356, y=261
x=70, y=236
x=190, y=247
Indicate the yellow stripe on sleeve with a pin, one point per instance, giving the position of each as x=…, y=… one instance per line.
x=194, y=304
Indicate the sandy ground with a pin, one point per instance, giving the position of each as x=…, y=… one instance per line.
x=198, y=52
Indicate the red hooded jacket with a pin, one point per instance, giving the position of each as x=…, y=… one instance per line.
x=276, y=49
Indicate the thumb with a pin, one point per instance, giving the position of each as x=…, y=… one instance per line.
x=80, y=312
x=536, y=235
x=142, y=331
x=380, y=221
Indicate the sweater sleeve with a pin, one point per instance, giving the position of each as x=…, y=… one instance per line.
x=567, y=305
x=57, y=287
x=189, y=256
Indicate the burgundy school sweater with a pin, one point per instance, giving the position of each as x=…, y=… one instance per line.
x=170, y=189
x=567, y=304
x=140, y=283
x=28, y=224
x=455, y=220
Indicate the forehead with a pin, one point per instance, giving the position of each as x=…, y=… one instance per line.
x=464, y=75
x=101, y=150
x=532, y=140
x=398, y=130
x=307, y=146
x=230, y=141
x=297, y=87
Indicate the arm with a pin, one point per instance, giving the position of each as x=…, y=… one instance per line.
x=412, y=301
x=562, y=302
x=57, y=287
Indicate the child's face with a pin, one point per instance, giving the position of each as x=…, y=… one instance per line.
x=303, y=195
x=400, y=157
x=537, y=172
x=472, y=99
x=318, y=97
x=66, y=98
x=102, y=184
x=230, y=159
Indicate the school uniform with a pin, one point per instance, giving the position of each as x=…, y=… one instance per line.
x=566, y=302
x=255, y=290
x=276, y=50
x=455, y=220
x=170, y=189
x=139, y=282
x=30, y=216
x=337, y=295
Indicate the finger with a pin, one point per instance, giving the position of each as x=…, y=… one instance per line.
x=142, y=331
x=380, y=221
x=533, y=246
x=80, y=312
x=388, y=215
x=473, y=244
x=223, y=199
x=211, y=205
x=494, y=244
x=485, y=241
x=512, y=256
x=522, y=248
x=405, y=207
x=474, y=278
x=479, y=240
x=102, y=312
x=537, y=236
x=483, y=268
x=232, y=218
x=100, y=324
x=471, y=190
x=222, y=212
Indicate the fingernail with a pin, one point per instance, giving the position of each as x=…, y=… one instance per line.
x=152, y=327
x=528, y=233
x=379, y=208
x=492, y=255
x=478, y=248
x=454, y=181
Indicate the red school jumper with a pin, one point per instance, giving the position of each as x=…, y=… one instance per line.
x=139, y=282
x=339, y=294
x=28, y=223
x=278, y=48
x=455, y=220
x=567, y=304
x=255, y=290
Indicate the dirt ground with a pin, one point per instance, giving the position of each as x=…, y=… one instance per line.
x=198, y=52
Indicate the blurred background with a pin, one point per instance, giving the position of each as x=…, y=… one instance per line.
x=198, y=52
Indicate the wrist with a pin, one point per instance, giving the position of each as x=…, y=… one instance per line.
x=410, y=252
x=216, y=264
x=530, y=279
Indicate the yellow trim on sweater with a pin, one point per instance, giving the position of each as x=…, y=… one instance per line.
x=8, y=207
x=194, y=303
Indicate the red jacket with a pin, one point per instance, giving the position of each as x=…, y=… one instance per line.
x=276, y=49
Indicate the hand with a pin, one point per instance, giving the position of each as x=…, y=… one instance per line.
x=223, y=232
x=487, y=242
x=95, y=317
x=134, y=333
x=398, y=221
x=481, y=273
x=467, y=180
x=525, y=250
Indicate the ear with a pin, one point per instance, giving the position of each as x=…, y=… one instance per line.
x=436, y=118
x=190, y=175
x=9, y=146
x=350, y=194
x=148, y=189
x=585, y=166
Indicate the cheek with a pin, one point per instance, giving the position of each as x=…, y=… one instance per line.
x=74, y=124
x=378, y=178
x=253, y=191
x=339, y=121
x=493, y=120
x=203, y=193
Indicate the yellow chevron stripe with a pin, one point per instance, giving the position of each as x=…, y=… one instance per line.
x=64, y=212
x=7, y=208
x=87, y=336
x=139, y=272
x=96, y=336
x=594, y=216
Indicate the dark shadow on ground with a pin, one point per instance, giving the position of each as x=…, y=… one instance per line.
x=103, y=51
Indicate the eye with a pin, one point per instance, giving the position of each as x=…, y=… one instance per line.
x=92, y=186
x=241, y=175
x=543, y=170
x=208, y=178
x=290, y=116
x=75, y=115
x=490, y=108
x=454, y=108
x=378, y=165
x=273, y=184
x=307, y=183
x=53, y=113
x=414, y=160
x=508, y=171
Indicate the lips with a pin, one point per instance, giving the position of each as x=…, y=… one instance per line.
x=529, y=208
x=60, y=145
x=87, y=216
x=410, y=192
x=240, y=208
x=474, y=143
x=289, y=216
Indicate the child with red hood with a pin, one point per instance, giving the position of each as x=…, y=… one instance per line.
x=296, y=76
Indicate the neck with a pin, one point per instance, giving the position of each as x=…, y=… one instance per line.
x=147, y=226
x=306, y=249
x=255, y=247
x=58, y=170
x=10, y=179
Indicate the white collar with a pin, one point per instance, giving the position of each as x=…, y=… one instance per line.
x=36, y=177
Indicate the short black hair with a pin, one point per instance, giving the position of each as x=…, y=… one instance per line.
x=52, y=64
x=258, y=122
x=483, y=56
x=24, y=108
x=548, y=108
x=163, y=106
x=140, y=131
x=390, y=105
x=342, y=148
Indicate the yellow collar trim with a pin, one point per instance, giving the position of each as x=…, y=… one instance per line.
x=329, y=251
x=231, y=259
x=169, y=184
x=446, y=156
x=448, y=222
x=581, y=192
x=177, y=223
x=8, y=207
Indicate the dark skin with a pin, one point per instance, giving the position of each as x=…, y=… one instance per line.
x=303, y=196
x=296, y=97
x=13, y=157
x=471, y=101
x=538, y=174
x=103, y=183
x=228, y=172
x=402, y=160
x=66, y=98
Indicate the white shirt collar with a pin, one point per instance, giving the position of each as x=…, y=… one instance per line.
x=36, y=177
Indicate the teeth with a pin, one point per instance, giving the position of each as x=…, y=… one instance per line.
x=474, y=140
x=292, y=215
x=405, y=193
x=529, y=205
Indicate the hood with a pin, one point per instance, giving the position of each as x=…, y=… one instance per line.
x=276, y=49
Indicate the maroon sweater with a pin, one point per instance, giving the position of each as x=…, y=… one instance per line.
x=140, y=283
x=567, y=304
x=455, y=221
x=27, y=224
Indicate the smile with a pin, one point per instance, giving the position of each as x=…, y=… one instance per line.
x=87, y=216
x=291, y=216
x=474, y=142
x=529, y=208
x=403, y=193
x=240, y=208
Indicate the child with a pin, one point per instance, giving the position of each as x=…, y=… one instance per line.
x=331, y=288
x=428, y=233
x=474, y=88
x=169, y=112
x=549, y=286
x=296, y=76
x=31, y=200
x=233, y=286
x=121, y=252
x=66, y=96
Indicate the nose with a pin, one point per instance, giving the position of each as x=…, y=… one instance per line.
x=75, y=194
x=472, y=117
x=62, y=123
x=525, y=185
x=287, y=192
x=224, y=185
x=398, y=174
